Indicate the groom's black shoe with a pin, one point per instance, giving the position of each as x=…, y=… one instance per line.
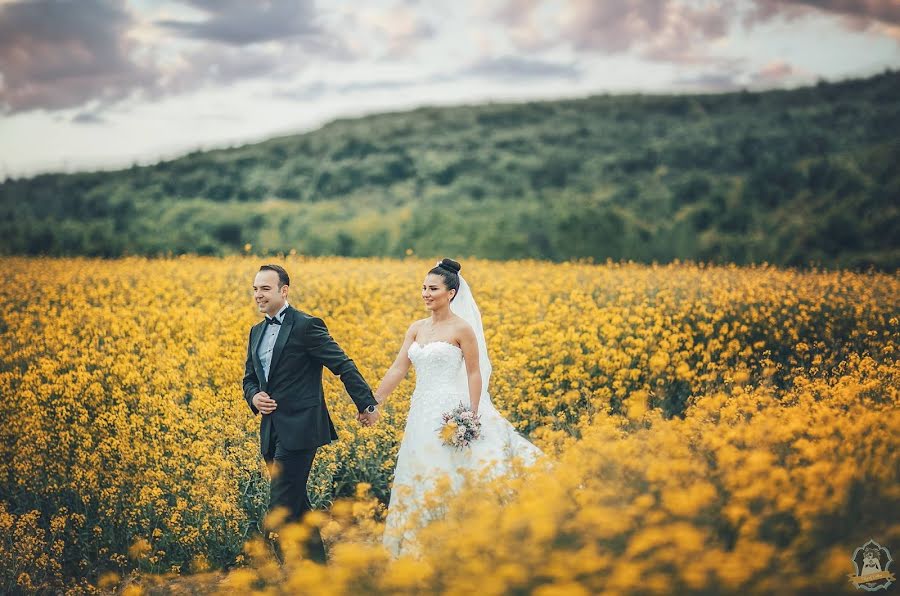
x=315, y=548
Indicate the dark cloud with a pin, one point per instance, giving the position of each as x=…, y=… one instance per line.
x=884, y=11
x=232, y=37
x=88, y=118
x=319, y=89
x=243, y=22
x=386, y=85
x=56, y=55
x=309, y=92
x=514, y=67
x=710, y=81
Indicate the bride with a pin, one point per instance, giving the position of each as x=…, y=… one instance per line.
x=450, y=356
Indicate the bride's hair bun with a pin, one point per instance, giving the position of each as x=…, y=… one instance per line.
x=450, y=265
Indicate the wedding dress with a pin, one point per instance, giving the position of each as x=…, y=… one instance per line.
x=423, y=461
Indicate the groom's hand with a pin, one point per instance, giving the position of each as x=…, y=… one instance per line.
x=367, y=419
x=264, y=403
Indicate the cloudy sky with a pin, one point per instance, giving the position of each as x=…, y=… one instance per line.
x=88, y=84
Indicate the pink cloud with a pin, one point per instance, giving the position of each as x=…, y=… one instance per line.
x=881, y=17
x=662, y=30
x=776, y=70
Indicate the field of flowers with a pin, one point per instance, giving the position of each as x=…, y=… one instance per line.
x=709, y=429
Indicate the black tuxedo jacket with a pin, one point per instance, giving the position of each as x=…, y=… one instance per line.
x=303, y=347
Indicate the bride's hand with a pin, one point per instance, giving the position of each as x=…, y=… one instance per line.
x=367, y=419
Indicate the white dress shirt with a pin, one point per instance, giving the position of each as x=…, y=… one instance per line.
x=267, y=344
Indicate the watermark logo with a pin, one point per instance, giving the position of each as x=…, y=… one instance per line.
x=872, y=562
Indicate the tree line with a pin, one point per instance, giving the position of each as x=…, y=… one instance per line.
x=790, y=177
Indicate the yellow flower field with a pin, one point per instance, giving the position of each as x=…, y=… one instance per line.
x=710, y=428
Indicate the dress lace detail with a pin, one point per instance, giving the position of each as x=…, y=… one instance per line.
x=423, y=461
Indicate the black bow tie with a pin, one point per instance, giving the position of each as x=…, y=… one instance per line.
x=272, y=321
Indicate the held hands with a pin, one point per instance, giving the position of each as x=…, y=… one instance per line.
x=264, y=403
x=368, y=419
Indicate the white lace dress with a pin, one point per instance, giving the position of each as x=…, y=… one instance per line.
x=423, y=460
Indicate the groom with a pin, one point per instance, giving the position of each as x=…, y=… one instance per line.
x=283, y=382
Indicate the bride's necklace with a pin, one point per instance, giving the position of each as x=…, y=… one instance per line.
x=431, y=329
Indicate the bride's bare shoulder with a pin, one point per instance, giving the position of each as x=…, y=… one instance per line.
x=461, y=326
x=415, y=325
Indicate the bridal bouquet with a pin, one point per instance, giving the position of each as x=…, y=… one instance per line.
x=461, y=427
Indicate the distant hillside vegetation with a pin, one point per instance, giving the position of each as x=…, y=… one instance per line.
x=789, y=177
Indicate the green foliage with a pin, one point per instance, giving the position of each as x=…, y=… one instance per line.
x=789, y=177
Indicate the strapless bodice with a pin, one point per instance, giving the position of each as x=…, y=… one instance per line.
x=437, y=365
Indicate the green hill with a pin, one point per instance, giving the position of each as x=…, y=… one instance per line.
x=789, y=177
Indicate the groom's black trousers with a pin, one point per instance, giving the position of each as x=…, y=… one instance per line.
x=290, y=473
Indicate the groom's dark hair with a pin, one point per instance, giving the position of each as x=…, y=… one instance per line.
x=283, y=278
